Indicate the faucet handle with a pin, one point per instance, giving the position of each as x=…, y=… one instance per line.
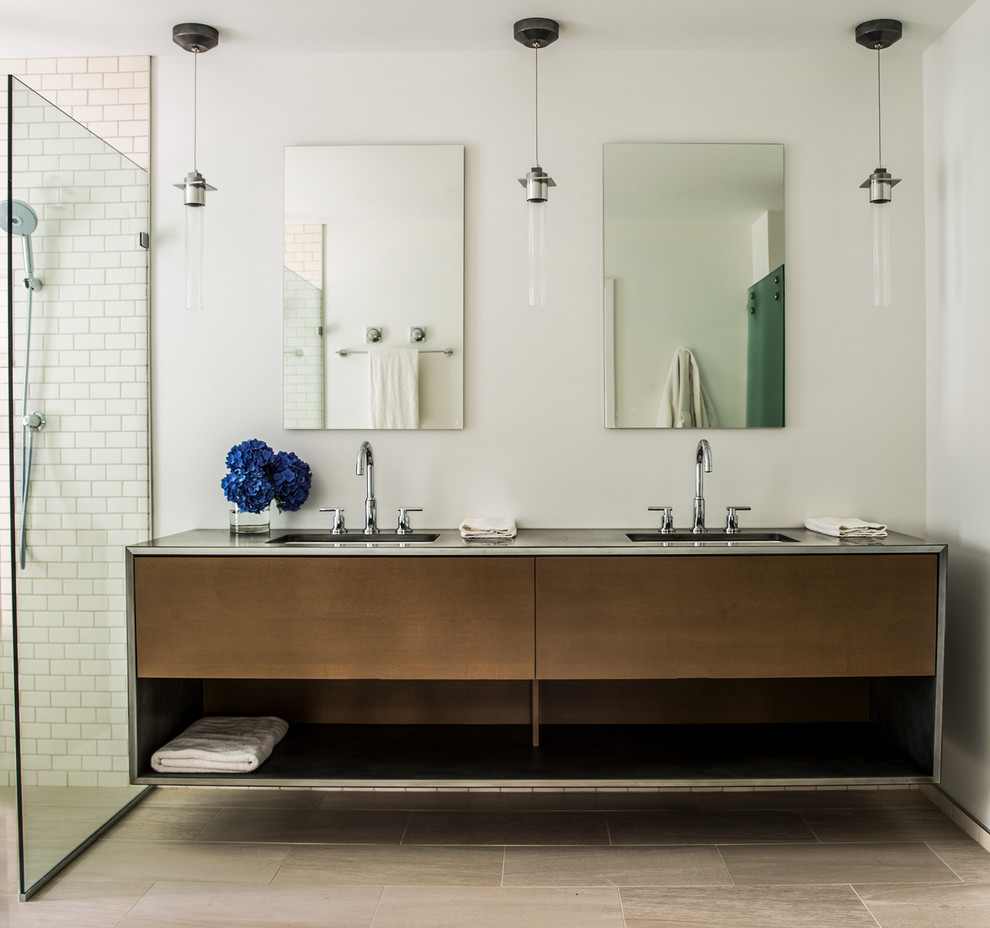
x=404, y=528
x=666, y=518
x=338, y=520
x=732, y=519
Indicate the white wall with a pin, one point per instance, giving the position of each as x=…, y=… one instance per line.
x=534, y=445
x=957, y=148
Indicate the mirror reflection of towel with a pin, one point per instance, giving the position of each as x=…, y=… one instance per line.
x=394, y=388
x=684, y=402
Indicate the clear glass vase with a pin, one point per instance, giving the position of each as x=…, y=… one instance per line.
x=249, y=523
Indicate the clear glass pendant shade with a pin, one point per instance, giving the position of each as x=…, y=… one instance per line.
x=537, y=253
x=881, y=254
x=195, y=220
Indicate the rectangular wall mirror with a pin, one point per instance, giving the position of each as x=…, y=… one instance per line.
x=694, y=285
x=373, y=287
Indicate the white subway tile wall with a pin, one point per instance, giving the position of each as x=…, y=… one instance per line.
x=302, y=316
x=304, y=251
x=89, y=375
x=111, y=95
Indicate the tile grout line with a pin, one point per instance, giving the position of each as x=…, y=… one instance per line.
x=865, y=906
x=137, y=902
x=378, y=905
x=807, y=825
x=405, y=830
x=721, y=857
x=281, y=864
x=945, y=862
x=213, y=818
x=622, y=907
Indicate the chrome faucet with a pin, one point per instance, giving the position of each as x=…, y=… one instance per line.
x=703, y=458
x=366, y=467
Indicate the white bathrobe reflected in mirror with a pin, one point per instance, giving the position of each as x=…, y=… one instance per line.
x=684, y=402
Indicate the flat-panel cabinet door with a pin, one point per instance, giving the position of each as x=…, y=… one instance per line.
x=388, y=618
x=736, y=616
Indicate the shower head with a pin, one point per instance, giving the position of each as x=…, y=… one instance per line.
x=18, y=218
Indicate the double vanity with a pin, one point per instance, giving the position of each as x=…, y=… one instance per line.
x=561, y=657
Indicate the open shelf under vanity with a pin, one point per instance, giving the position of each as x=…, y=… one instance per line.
x=574, y=756
x=638, y=733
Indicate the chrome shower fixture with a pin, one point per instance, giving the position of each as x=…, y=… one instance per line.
x=18, y=218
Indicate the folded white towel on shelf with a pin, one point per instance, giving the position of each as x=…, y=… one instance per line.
x=488, y=527
x=221, y=744
x=394, y=388
x=845, y=527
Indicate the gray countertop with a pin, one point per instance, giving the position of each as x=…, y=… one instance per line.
x=528, y=542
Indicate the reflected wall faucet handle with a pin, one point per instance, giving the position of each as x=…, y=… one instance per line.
x=666, y=518
x=732, y=519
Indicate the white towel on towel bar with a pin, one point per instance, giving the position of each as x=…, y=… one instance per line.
x=221, y=743
x=845, y=527
x=394, y=388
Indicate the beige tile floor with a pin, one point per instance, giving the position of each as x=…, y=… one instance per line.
x=212, y=858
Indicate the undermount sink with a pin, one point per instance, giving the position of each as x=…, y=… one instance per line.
x=351, y=538
x=709, y=537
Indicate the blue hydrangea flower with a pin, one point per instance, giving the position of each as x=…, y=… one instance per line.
x=251, y=490
x=249, y=455
x=292, y=479
x=258, y=476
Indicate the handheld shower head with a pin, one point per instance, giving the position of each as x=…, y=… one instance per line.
x=18, y=218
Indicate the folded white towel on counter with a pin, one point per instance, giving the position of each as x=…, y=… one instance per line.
x=221, y=744
x=488, y=527
x=845, y=527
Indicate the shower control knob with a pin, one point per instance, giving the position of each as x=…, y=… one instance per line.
x=35, y=421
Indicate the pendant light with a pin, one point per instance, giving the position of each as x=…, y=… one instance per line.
x=195, y=38
x=879, y=34
x=537, y=33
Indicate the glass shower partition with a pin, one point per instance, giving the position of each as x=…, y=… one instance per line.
x=75, y=223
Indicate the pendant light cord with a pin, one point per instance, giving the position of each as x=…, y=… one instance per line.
x=879, y=116
x=536, y=95
x=195, y=100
